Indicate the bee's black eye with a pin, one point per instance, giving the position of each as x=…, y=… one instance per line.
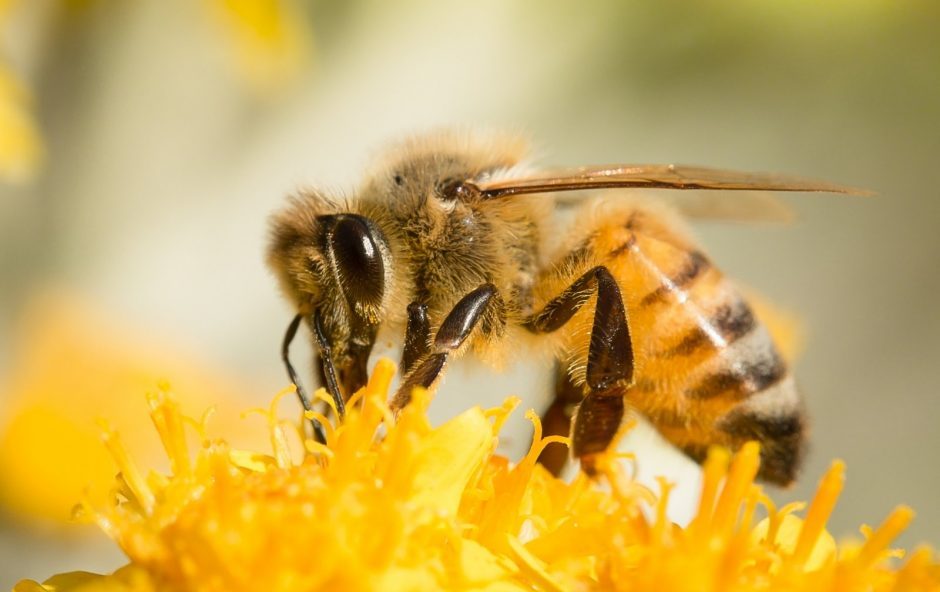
x=352, y=244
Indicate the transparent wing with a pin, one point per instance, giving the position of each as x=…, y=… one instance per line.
x=743, y=206
x=652, y=176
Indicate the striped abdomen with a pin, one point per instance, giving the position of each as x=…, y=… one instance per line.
x=707, y=371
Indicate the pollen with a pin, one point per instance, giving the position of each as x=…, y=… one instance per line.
x=394, y=503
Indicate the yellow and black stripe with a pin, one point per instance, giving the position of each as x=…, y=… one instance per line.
x=707, y=371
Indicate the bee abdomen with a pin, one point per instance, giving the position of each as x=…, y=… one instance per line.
x=708, y=369
x=782, y=443
x=695, y=265
x=751, y=377
x=775, y=419
x=741, y=378
x=730, y=322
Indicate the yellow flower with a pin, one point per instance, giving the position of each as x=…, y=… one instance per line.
x=21, y=148
x=270, y=39
x=74, y=365
x=396, y=504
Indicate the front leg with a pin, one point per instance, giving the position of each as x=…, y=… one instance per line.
x=609, y=364
x=453, y=332
x=417, y=337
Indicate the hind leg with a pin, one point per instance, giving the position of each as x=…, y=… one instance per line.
x=609, y=369
x=556, y=420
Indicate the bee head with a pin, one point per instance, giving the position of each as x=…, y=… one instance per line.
x=334, y=266
x=434, y=171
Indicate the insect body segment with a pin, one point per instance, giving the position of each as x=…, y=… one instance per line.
x=445, y=244
x=707, y=372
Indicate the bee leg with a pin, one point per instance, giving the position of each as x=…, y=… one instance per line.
x=318, y=433
x=595, y=424
x=457, y=326
x=556, y=420
x=609, y=364
x=417, y=337
x=329, y=370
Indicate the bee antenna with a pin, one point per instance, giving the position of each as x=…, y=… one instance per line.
x=318, y=432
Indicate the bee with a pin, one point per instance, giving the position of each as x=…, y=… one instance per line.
x=452, y=242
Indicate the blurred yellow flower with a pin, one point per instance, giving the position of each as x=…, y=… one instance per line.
x=395, y=504
x=21, y=148
x=271, y=40
x=72, y=367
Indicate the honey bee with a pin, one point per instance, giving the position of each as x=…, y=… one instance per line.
x=449, y=242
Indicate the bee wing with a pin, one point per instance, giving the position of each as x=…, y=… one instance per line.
x=743, y=206
x=652, y=176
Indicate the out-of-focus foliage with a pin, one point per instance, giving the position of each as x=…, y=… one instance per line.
x=269, y=40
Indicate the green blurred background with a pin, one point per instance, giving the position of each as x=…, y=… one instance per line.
x=172, y=128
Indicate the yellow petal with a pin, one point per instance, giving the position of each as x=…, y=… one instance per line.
x=74, y=365
x=394, y=504
x=788, y=533
x=126, y=579
x=478, y=566
x=448, y=457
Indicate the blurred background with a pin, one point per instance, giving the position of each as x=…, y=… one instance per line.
x=143, y=145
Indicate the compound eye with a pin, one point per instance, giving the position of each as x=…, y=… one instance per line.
x=354, y=249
